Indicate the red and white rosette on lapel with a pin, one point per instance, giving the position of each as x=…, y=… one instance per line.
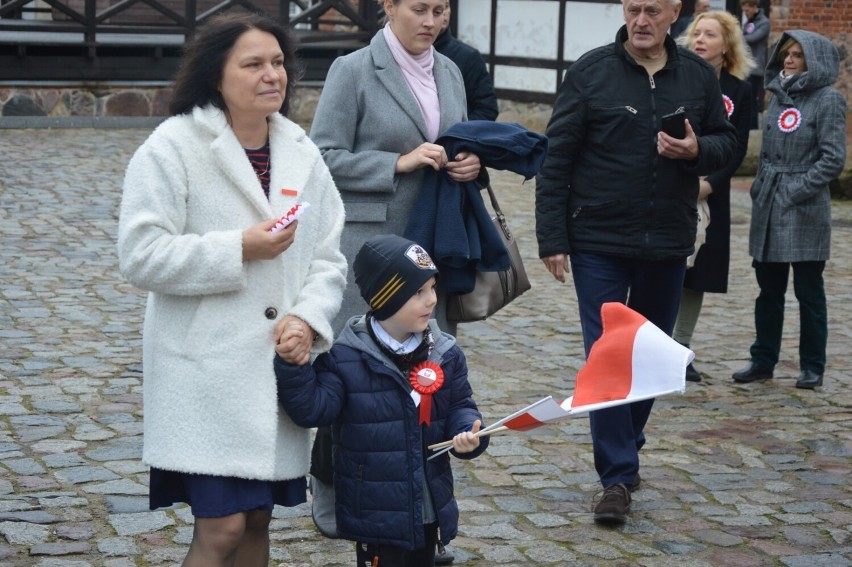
x=729, y=105
x=790, y=120
x=426, y=378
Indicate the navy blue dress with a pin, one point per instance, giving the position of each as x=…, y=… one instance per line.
x=216, y=496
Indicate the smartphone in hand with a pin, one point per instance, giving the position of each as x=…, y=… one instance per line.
x=673, y=124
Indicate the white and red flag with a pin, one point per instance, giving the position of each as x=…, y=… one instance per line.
x=632, y=360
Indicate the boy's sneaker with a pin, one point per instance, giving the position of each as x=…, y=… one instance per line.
x=444, y=555
x=614, y=505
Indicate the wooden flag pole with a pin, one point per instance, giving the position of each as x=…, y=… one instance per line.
x=479, y=434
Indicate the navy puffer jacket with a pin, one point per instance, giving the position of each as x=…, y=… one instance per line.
x=379, y=448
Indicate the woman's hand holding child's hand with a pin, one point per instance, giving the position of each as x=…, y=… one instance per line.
x=467, y=441
x=293, y=340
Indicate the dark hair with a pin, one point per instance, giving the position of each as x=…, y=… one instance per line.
x=203, y=61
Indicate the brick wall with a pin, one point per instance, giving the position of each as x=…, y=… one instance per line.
x=831, y=18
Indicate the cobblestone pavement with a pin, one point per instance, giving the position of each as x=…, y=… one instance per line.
x=732, y=474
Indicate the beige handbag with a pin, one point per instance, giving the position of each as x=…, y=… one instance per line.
x=492, y=290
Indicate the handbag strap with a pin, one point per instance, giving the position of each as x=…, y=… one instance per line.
x=501, y=218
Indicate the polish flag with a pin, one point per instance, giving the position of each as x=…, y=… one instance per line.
x=633, y=360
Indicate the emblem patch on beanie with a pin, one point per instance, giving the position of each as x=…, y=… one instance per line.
x=389, y=269
x=420, y=257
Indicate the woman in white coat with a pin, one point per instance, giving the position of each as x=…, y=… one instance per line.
x=200, y=197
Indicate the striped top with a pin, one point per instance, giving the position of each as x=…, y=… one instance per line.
x=260, y=161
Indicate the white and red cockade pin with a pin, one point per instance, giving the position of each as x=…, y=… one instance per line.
x=426, y=378
x=790, y=120
x=729, y=105
x=291, y=215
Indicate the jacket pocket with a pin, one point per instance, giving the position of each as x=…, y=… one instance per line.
x=359, y=484
x=366, y=212
x=695, y=110
x=613, y=127
x=592, y=208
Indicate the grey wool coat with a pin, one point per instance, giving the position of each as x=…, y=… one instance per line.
x=366, y=118
x=791, y=204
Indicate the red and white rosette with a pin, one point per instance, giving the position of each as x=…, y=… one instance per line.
x=729, y=104
x=790, y=120
x=426, y=378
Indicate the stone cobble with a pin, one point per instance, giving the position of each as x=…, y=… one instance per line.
x=732, y=475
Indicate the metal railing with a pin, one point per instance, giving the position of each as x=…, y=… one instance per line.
x=316, y=21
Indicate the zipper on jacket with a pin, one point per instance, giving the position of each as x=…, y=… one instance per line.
x=653, y=104
x=646, y=237
x=631, y=110
x=411, y=480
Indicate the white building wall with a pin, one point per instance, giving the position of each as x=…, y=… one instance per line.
x=530, y=28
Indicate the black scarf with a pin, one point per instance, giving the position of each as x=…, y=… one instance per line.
x=404, y=361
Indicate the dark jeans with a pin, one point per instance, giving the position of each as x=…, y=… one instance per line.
x=652, y=289
x=808, y=286
x=370, y=555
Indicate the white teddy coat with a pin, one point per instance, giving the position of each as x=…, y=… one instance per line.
x=209, y=387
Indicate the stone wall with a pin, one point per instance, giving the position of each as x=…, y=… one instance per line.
x=93, y=101
x=113, y=101
x=117, y=102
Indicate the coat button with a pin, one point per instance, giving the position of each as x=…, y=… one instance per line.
x=271, y=313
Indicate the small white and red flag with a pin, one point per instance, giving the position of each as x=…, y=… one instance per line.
x=632, y=360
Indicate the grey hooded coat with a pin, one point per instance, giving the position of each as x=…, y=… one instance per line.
x=804, y=148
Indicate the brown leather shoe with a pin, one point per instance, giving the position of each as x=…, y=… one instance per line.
x=752, y=373
x=614, y=505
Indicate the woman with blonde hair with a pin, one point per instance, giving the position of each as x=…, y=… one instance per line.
x=717, y=38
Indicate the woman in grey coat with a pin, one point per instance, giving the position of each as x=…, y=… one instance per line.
x=804, y=148
x=380, y=111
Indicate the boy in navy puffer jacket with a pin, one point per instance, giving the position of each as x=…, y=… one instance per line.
x=391, y=385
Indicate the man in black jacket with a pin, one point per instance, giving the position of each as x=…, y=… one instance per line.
x=619, y=196
x=478, y=87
